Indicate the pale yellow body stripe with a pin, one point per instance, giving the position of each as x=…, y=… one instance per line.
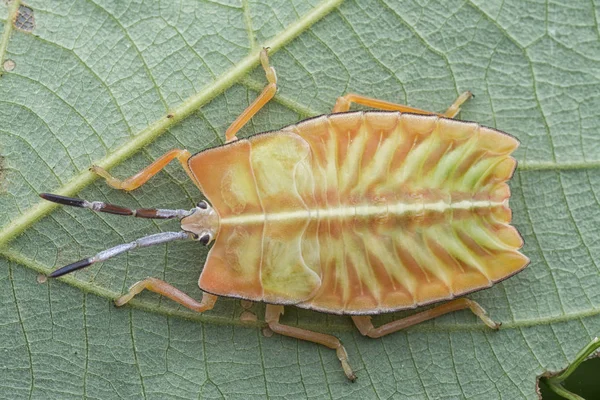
x=398, y=209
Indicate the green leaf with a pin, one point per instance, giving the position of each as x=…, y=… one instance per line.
x=93, y=82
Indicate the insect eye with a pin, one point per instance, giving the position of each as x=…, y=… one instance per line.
x=202, y=205
x=204, y=239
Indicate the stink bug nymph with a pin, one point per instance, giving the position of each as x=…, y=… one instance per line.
x=355, y=213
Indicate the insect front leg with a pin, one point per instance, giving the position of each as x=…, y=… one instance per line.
x=144, y=175
x=262, y=99
x=163, y=288
x=365, y=326
x=343, y=103
x=272, y=314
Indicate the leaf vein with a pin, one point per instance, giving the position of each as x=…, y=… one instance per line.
x=13, y=10
x=23, y=330
x=137, y=50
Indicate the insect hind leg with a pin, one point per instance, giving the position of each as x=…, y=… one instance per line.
x=366, y=328
x=454, y=108
x=343, y=104
x=272, y=314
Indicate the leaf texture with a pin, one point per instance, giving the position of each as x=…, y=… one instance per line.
x=93, y=82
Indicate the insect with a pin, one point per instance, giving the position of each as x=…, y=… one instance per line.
x=355, y=213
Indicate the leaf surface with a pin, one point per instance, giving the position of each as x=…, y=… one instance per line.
x=94, y=81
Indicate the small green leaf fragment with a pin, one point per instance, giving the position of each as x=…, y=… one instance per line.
x=556, y=382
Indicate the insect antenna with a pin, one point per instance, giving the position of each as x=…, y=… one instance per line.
x=154, y=213
x=145, y=241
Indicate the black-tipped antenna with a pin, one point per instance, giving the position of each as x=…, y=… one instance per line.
x=145, y=241
x=154, y=213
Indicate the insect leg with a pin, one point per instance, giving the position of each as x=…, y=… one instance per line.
x=343, y=103
x=262, y=99
x=365, y=326
x=144, y=175
x=272, y=314
x=455, y=107
x=169, y=291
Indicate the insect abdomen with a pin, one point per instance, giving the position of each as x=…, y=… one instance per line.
x=369, y=212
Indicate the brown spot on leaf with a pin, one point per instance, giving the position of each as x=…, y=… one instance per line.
x=24, y=20
x=9, y=65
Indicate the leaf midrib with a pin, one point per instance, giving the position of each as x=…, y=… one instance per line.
x=157, y=128
x=90, y=287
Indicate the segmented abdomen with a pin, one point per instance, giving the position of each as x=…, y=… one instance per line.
x=362, y=212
